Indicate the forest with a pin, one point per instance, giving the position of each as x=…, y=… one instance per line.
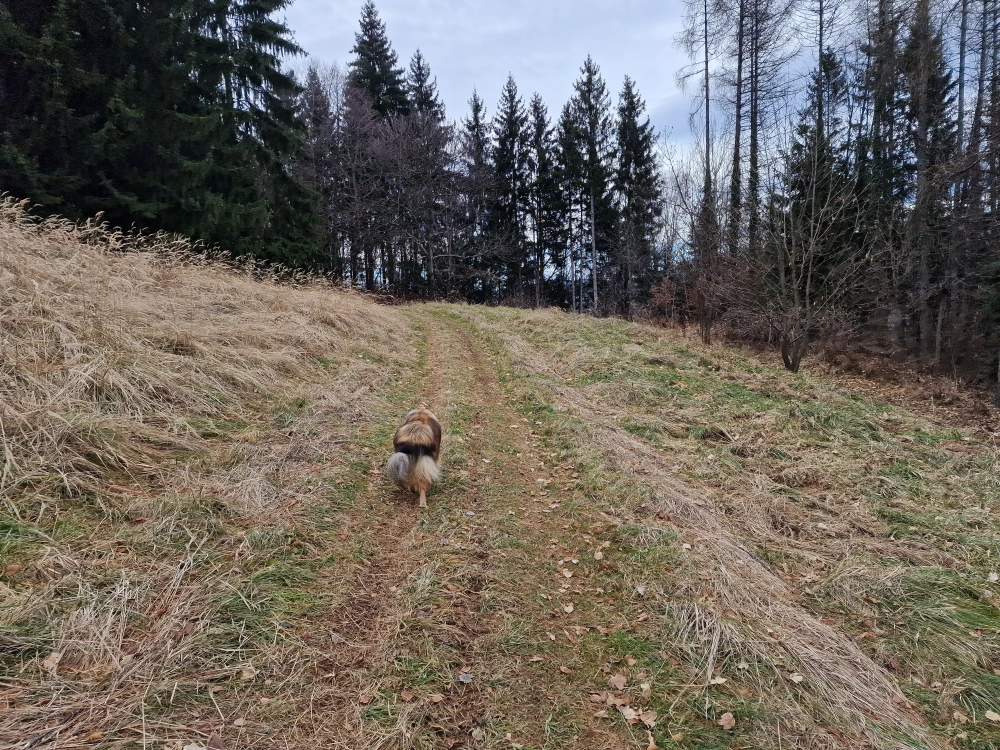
x=840, y=190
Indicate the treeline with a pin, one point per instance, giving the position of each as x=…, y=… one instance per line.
x=870, y=213
x=511, y=207
x=852, y=205
x=166, y=114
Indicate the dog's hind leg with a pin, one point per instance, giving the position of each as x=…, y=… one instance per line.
x=423, y=495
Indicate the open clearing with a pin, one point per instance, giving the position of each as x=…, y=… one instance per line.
x=638, y=541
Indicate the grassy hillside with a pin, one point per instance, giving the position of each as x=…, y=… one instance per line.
x=638, y=541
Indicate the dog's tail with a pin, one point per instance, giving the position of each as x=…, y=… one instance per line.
x=425, y=472
x=398, y=467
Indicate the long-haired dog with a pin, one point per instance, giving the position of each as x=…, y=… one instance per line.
x=417, y=447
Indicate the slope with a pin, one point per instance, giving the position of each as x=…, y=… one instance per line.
x=637, y=542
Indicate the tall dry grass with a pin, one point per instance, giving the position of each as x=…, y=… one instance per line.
x=143, y=457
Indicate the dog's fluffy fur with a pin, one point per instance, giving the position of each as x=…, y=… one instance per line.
x=417, y=447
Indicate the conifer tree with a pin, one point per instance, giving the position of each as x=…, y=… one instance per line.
x=591, y=111
x=638, y=188
x=373, y=69
x=476, y=187
x=544, y=198
x=509, y=152
x=929, y=90
x=423, y=88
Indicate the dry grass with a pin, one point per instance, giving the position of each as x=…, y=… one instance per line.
x=166, y=420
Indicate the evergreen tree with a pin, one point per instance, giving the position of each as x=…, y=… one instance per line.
x=477, y=186
x=591, y=111
x=544, y=197
x=638, y=188
x=930, y=97
x=510, y=189
x=423, y=89
x=373, y=69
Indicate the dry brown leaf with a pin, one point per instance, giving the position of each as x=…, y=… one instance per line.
x=365, y=699
x=568, y=608
x=960, y=716
x=12, y=569
x=602, y=714
x=215, y=742
x=597, y=697
x=248, y=673
x=630, y=714
x=565, y=670
x=407, y=695
x=992, y=716
x=648, y=718
x=435, y=697
x=677, y=737
x=95, y=736
x=728, y=721
x=51, y=662
x=618, y=681
x=652, y=745
x=647, y=690
x=795, y=677
x=240, y=723
x=631, y=661
x=567, y=573
x=536, y=658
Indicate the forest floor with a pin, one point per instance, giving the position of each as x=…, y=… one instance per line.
x=638, y=541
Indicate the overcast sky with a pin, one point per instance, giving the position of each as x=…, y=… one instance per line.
x=474, y=44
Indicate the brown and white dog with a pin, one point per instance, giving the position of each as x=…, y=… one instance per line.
x=417, y=447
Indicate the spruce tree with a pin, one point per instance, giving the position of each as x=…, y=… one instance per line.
x=544, y=205
x=507, y=214
x=423, y=88
x=373, y=69
x=591, y=110
x=638, y=189
x=476, y=182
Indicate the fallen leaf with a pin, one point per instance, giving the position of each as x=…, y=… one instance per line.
x=536, y=658
x=193, y=746
x=648, y=718
x=685, y=546
x=960, y=717
x=478, y=734
x=51, y=662
x=550, y=635
x=992, y=716
x=12, y=569
x=364, y=700
x=717, y=680
x=629, y=713
x=436, y=697
x=248, y=673
x=568, y=608
x=652, y=745
x=597, y=698
x=647, y=690
x=465, y=677
x=795, y=677
x=565, y=670
x=678, y=737
x=407, y=695
x=728, y=721
x=94, y=736
x=602, y=714
x=617, y=682
x=215, y=742
x=598, y=555
x=240, y=723
x=994, y=577
x=567, y=573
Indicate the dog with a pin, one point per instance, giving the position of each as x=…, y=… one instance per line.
x=417, y=451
